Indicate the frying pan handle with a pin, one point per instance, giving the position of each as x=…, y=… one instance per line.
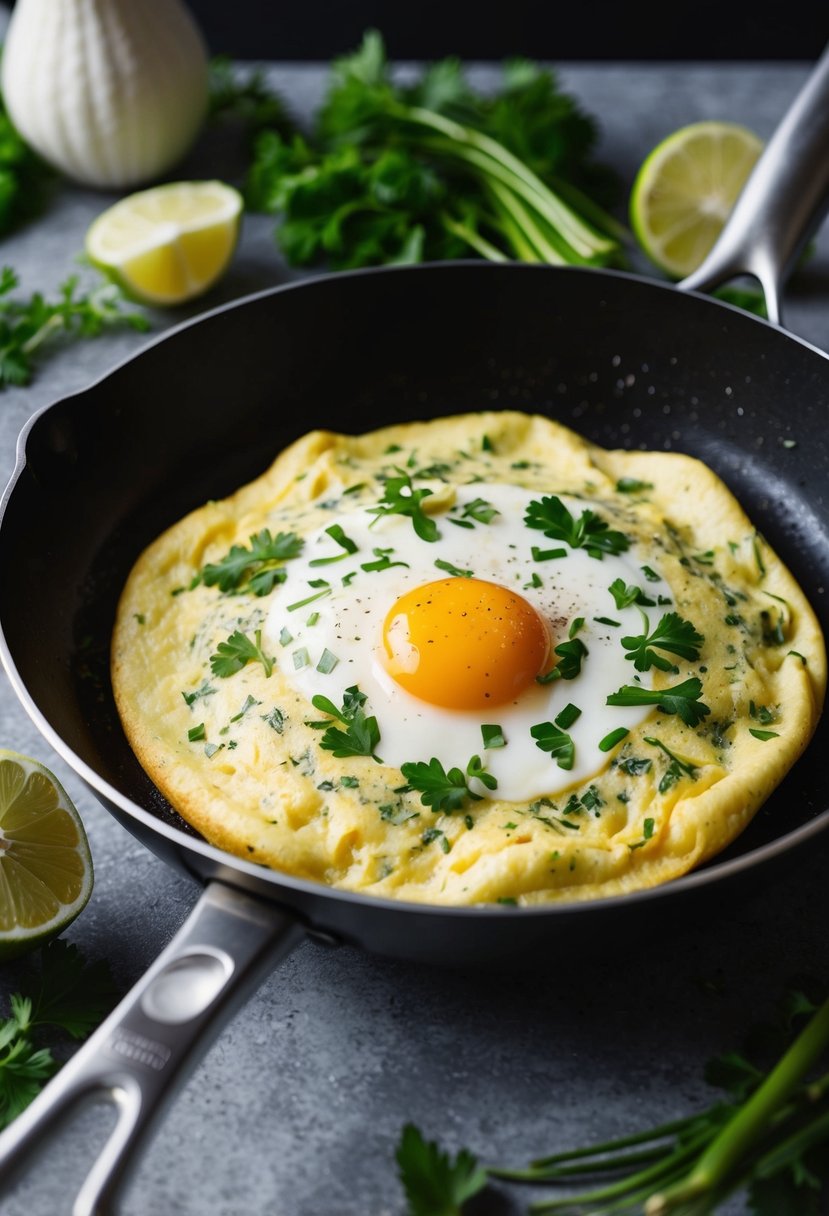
x=782, y=202
x=156, y=1035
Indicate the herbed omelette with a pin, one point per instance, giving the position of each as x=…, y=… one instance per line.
x=471, y=660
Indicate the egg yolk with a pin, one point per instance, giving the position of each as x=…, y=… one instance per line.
x=463, y=643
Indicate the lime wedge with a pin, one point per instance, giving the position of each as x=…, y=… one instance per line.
x=686, y=190
x=169, y=244
x=45, y=864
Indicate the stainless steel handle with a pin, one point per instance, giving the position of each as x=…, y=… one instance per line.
x=782, y=202
x=156, y=1035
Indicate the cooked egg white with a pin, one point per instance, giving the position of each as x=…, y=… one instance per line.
x=476, y=644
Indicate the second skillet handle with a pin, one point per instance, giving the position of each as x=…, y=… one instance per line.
x=783, y=201
x=158, y=1032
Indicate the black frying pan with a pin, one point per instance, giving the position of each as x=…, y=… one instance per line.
x=625, y=362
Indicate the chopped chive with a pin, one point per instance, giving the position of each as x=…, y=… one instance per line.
x=535, y=581
x=300, y=658
x=568, y=716
x=313, y=618
x=196, y=732
x=606, y=620
x=616, y=736
x=309, y=599
x=493, y=736
x=575, y=625
x=546, y=555
x=327, y=662
x=249, y=704
x=630, y=485
x=210, y=749
x=285, y=636
x=355, y=489
x=348, y=579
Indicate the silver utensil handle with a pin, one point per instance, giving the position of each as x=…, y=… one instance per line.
x=782, y=202
x=157, y=1033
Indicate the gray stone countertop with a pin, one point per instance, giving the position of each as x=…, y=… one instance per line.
x=297, y=1109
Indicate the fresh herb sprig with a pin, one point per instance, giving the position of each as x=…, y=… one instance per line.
x=29, y=323
x=401, y=498
x=673, y=634
x=257, y=569
x=435, y=1183
x=67, y=994
x=361, y=735
x=589, y=532
x=231, y=656
x=444, y=790
x=683, y=699
x=432, y=170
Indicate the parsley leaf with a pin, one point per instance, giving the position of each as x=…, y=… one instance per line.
x=571, y=655
x=361, y=734
x=625, y=595
x=673, y=633
x=26, y=324
x=588, y=532
x=70, y=995
x=436, y=1184
x=231, y=656
x=555, y=741
x=442, y=790
x=481, y=510
x=682, y=699
x=401, y=498
x=261, y=563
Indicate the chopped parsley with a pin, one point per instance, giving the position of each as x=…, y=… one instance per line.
x=568, y=716
x=673, y=634
x=383, y=562
x=453, y=570
x=571, y=655
x=625, y=595
x=493, y=736
x=401, y=498
x=676, y=769
x=347, y=545
x=557, y=742
x=631, y=485
x=361, y=734
x=588, y=532
x=616, y=736
x=196, y=732
x=683, y=699
x=257, y=569
x=442, y=790
x=481, y=510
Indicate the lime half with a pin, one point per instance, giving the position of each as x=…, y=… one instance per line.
x=45, y=864
x=686, y=190
x=166, y=245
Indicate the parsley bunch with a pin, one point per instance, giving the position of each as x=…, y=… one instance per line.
x=433, y=170
x=67, y=994
x=27, y=323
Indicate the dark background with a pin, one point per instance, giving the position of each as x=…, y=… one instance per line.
x=541, y=29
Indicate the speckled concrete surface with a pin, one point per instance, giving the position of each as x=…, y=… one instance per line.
x=297, y=1108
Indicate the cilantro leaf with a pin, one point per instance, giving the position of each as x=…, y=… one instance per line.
x=436, y=1184
x=682, y=699
x=262, y=561
x=231, y=656
x=555, y=741
x=23, y=1071
x=589, y=531
x=673, y=634
x=361, y=734
x=401, y=498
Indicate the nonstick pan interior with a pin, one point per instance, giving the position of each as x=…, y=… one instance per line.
x=625, y=362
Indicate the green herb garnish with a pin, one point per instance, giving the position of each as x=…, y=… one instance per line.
x=625, y=595
x=232, y=655
x=361, y=734
x=401, y=498
x=588, y=532
x=673, y=634
x=682, y=699
x=257, y=569
x=615, y=736
x=630, y=485
x=571, y=655
x=493, y=736
x=442, y=790
x=347, y=545
x=453, y=570
x=557, y=742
